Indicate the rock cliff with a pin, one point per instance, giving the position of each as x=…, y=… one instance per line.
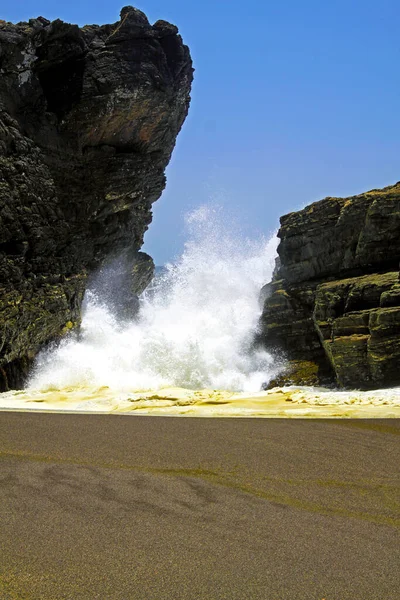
x=333, y=307
x=88, y=121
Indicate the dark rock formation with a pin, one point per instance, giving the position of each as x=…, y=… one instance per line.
x=333, y=308
x=120, y=280
x=88, y=122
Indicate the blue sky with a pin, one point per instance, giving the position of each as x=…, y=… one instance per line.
x=292, y=101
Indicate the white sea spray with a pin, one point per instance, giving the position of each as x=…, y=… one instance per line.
x=195, y=328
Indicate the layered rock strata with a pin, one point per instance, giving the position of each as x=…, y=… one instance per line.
x=88, y=121
x=333, y=308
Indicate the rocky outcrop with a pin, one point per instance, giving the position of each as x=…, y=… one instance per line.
x=333, y=308
x=88, y=122
x=120, y=280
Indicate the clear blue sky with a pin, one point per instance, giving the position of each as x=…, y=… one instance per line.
x=292, y=101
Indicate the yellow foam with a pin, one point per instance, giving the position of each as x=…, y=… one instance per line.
x=289, y=402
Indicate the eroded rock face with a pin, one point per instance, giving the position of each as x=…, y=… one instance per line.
x=120, y=280
x=333, y=308
x=88, y=121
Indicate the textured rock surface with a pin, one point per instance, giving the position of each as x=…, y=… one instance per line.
x=88, y=121
x=129, y=272
x=333, y=308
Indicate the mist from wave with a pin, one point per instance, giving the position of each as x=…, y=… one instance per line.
x=195, y=327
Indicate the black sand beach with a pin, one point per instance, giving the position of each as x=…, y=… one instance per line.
x=117, y=507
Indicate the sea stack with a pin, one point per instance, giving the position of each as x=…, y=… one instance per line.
x=333, y=307
x=88, y=121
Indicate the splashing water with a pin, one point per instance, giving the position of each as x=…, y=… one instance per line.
x=195, y=327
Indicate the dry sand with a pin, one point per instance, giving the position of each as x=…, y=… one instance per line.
x=109, y=507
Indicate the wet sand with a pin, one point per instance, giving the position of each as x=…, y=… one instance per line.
x=116, y=507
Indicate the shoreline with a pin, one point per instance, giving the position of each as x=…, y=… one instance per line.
x=320, y=415
x=289, y=402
